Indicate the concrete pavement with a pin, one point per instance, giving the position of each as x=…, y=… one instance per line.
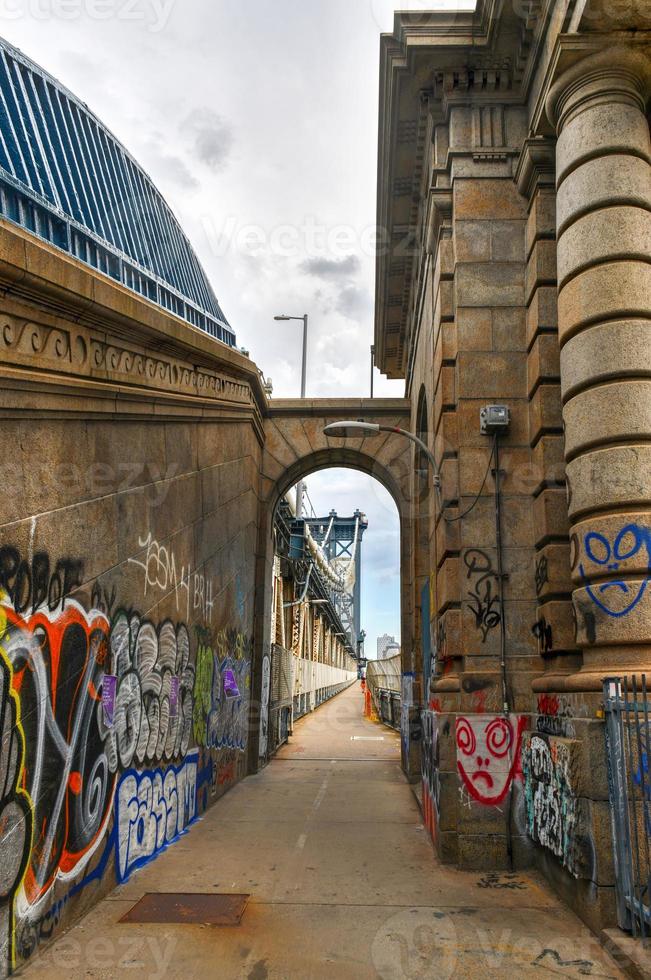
x=329, y=844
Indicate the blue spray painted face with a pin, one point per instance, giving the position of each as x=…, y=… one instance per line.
x=617, y=597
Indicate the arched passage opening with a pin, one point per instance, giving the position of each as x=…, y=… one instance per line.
x=281, y=614
x=294, y=453
x=335, y=606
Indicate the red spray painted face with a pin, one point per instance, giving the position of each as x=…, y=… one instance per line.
x=488, y=755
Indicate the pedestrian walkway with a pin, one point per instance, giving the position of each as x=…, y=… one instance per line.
x=343, y=883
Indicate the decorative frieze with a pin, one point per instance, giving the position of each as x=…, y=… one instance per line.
x=81, y=353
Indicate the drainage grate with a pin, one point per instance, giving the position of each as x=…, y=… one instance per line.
x=211, y=910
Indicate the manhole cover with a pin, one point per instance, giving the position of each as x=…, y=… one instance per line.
x=211, y=910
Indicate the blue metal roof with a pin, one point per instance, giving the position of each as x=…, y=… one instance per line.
x=64, y=177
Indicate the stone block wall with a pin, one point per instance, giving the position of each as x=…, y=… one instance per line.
x=128, y=533
x=526, y=288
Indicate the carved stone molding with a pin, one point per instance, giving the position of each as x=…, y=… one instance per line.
x=618, y=74
x=536, y=166
x=439, y=215
x=74, y=351
x=34, y=340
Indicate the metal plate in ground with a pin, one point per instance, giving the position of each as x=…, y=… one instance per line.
x=211, y=910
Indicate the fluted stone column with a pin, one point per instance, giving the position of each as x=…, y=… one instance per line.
x=603, y=171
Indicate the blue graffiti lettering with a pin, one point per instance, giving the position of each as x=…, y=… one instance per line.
x=617, y=597
x=153, y=809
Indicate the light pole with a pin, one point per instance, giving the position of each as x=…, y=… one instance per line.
x=300, y=489
x=304, y=359
x=372, y=364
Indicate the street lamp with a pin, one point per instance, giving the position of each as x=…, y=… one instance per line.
x=304, y=360
x=300, y=489
x=352, y=430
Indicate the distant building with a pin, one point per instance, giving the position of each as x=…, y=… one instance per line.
x=382, y=643
x=392, y=650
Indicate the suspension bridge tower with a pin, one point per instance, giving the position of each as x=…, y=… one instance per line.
x=337, y=546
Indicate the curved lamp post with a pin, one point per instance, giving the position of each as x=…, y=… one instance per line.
x=352, y=430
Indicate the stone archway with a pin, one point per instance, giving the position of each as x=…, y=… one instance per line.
x=295, y=446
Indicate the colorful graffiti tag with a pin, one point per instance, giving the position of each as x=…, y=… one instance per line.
x=430, y=771
x=98, y=708
x=222, y=692
x=155, y=681
x=152, y=810
x=551, y=803
x=15, y=805
x=488, y=755
x=58, y=659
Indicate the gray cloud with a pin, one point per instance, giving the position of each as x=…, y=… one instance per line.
x=175, y=169
x=351, y=301
x=332, y=268
x=212, y=137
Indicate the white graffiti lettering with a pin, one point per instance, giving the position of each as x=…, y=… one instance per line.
x=152, y=810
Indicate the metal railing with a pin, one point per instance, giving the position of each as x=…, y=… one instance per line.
x=388, y=707
x=384, y=678
x=628, y=750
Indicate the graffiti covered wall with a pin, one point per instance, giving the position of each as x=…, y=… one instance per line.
x=111, y=725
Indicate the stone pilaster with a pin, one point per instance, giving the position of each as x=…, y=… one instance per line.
x=603, y=178
x=553, y=627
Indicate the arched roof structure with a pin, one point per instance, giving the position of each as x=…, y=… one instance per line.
x=64, y=177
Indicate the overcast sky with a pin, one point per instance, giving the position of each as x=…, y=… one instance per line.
x=257, y=119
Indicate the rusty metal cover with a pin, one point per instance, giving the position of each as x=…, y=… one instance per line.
x=211, y=910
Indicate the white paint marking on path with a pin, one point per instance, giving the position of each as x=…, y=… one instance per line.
x=300, y=843
x=367, y=738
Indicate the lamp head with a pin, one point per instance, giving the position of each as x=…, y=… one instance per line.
x=351, y=430
x=282, y=318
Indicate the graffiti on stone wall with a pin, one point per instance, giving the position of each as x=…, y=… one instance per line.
x=543, y=633
x=430, y=762
x=97, y=716
x=31, y=584
x=15, y=805
x=552, y=810
x=264, y=707
x=616, y=597
x=193, y=591
x=222, y=690
x=155, y=681
x=554, y=715
x=152, y=810
x=483, y=597
x=542, y=574
x=488, y=755
x=58, y=659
